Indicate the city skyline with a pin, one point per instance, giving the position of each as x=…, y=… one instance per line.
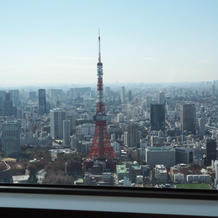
x=161, y=139
x=145, y=41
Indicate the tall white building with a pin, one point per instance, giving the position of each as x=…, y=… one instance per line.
x=122, y=94
x=120, y=117
x=66, y=132
x=57, y=116
x=107, y=92
x=125, y=137
x=161, y=98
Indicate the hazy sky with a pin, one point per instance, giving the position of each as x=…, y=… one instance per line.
x=55, y=41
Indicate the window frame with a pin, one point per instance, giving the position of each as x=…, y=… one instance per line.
x=201, y=194
x=27, y=212
x=62, y=190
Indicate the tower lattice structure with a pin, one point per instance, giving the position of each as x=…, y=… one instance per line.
x=101, y=147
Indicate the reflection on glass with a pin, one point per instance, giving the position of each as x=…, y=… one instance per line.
x=149, y=118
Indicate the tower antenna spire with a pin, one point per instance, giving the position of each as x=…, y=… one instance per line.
x=99, y=46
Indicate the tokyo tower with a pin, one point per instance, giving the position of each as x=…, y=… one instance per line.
x=101, y=147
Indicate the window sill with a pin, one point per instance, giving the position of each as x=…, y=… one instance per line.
x=101, y=201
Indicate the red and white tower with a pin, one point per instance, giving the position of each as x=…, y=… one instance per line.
x=101, y=147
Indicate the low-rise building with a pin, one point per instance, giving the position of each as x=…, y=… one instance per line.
x=178, y=178
x=139, y=179
x=160, y=155
x=122, y=171
x=20, y=179
x=216, y=171
x=184, y=155
x=134, y=170
x=198, y=179
x=161, y=175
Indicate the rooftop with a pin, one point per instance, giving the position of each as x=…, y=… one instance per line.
x=122, y=169
x=161, y=148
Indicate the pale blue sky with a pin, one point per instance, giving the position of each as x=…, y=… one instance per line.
x=55, y=41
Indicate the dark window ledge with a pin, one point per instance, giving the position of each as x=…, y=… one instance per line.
x=68, y=201
x=111, y=191
x=23, y=212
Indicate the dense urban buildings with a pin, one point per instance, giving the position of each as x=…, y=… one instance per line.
x=158, y=140
x=133, y=135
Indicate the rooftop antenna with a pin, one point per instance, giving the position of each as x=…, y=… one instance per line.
x=99, y=46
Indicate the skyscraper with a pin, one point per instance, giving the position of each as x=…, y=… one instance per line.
x=15, y=97
x=57, y=116
x=32, y=96
x=129, y=95
x=201, y=126
x=66, y=132
x=132, y=135
x=42, y=101
x=11, y=138
x=161, y=98
x=188, y=118
x=8, y=105
x=157, y=117
x=122, y=94
x=148, y=103
x=107, y=91
x=211, y=146
x=2, y=98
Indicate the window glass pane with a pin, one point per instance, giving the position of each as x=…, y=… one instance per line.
x=133, y=104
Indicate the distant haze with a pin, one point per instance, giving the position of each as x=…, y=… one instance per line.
x=149, y=41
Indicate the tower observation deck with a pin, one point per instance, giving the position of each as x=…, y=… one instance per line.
x=101, y=148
